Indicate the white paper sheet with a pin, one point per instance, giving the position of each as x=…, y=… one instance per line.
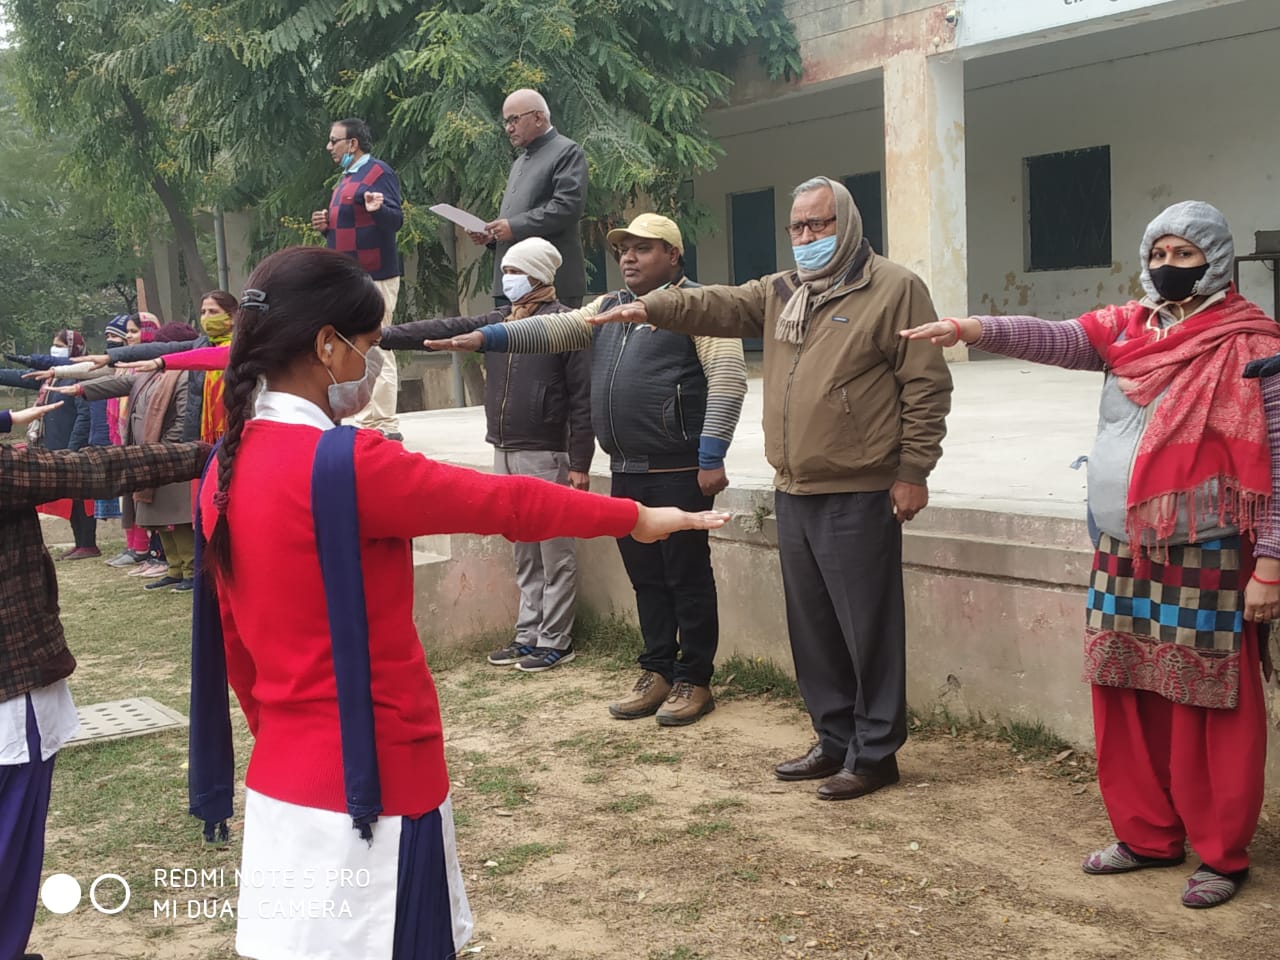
x=467, y=221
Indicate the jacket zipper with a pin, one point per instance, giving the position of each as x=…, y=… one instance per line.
x=786, y=416
x=612, y=378
x=684, y=431
x=844, y=397
x=502, y=412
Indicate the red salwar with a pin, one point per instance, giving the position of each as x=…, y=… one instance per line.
x=1171, y=773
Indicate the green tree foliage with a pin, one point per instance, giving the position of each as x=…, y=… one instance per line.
x=186, y=104
x=63, y=265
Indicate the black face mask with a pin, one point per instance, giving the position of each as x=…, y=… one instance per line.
x=1177, y=283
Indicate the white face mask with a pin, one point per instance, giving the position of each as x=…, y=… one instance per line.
x=62, y=353
x=516, y=286
x=349, y=397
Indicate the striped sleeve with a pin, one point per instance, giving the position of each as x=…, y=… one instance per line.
x=726, y=371
x=1269, y=533
x=1061, y=343
x=547, y=333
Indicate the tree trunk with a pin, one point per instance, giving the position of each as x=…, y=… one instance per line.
x=184, y=231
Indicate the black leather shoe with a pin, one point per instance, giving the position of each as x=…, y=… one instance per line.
x=814, y=765
x=847, y=785
x=162, y=583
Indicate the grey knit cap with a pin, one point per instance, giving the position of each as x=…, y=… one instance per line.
x=1205, y=226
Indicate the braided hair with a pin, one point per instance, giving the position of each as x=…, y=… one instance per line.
x=289, y=298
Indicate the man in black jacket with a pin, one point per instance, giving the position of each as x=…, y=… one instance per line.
x=538, y=412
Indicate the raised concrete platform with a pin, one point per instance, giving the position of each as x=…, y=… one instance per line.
x=996, y=568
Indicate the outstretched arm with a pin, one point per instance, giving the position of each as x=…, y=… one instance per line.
x=545, y=333
x=35, y=475
x=391, y=481
x=412, y=336
x=1059, y=343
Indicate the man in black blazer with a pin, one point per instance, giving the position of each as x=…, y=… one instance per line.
x=545, y=197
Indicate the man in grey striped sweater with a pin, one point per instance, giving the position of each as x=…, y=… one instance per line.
x=664, y=407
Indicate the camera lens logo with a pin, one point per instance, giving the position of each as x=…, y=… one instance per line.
x=60, y=893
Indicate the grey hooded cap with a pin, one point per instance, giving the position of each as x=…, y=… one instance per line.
x=1205, y=226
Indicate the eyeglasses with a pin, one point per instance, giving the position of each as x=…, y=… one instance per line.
x=333, y=140
x=814, y=224
x=512, y=121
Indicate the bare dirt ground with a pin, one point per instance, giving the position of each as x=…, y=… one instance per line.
x=587, y=837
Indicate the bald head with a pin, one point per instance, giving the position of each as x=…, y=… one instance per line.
x=526, y=116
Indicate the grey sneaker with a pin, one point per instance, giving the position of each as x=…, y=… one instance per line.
x=544, y=658
x=126, y=558
x=512, y=653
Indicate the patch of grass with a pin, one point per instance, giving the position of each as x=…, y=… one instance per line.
x=708, y=829
x=461, y=819
x=611, y=641
x=631, y=803
x=721, y=805
x=657, y=758
x=596, y=776
x=515, y=859
x=502, y=783
x=741, y=676
x=676, y=953
x=682, y=914
x=746, y=875
x=600, y=748
x=1032, y=739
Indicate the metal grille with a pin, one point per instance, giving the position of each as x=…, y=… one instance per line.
x=1069, y=209
x=116, y=719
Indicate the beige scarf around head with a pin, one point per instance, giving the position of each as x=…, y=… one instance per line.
x=822, y=284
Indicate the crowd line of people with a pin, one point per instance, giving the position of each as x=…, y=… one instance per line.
x=347, y=770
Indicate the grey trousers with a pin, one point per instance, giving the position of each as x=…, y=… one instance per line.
x=546, y=572
x=842, y=575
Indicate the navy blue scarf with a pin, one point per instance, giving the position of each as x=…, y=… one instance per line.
x=211, y=763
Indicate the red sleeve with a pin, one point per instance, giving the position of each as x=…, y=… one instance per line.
x=403, y=494
x=203, y=358
x=241, y=672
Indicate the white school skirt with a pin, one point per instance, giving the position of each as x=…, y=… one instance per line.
x=312, y=889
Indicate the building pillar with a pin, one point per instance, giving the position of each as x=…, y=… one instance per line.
x=925, y=176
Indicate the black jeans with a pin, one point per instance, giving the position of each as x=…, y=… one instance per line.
x=675, y=586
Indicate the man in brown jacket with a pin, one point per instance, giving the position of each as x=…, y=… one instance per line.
x=854, y=418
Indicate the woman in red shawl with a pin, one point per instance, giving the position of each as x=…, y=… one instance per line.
x=1183, y=504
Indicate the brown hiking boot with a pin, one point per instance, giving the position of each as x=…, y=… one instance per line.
x=645, y=699
x=686, y=704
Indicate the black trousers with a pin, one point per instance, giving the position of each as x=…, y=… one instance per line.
x=84, y=528
x=842, y=575
x=675, y=586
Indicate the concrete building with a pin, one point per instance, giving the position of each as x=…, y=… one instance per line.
x=1009, y=151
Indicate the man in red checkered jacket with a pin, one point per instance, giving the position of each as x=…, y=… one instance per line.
x=361, y=221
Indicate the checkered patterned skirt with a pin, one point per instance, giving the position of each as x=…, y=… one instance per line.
x=1174, y=627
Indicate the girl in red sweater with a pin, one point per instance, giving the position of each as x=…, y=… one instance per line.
x=348, y=838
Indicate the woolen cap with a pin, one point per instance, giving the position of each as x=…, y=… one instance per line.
x=650, y=226
x=535, y=258
x=1205, y=226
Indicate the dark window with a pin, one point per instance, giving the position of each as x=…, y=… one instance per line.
x=753, y=244
x=753, y=247
x=1069, y=209
x=593, y=248
x=865, y=188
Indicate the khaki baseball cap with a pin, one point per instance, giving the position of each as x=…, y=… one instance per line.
x=651, y=226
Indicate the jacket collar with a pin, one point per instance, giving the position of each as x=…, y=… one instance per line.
x=539, y=141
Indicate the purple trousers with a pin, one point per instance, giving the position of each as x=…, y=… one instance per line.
x=24, y=805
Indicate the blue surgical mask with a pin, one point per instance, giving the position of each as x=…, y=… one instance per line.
x=347, y=160
x=815, y=255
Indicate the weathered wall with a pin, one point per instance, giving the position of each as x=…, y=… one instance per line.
x=1228, y=158
x=994, y=607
